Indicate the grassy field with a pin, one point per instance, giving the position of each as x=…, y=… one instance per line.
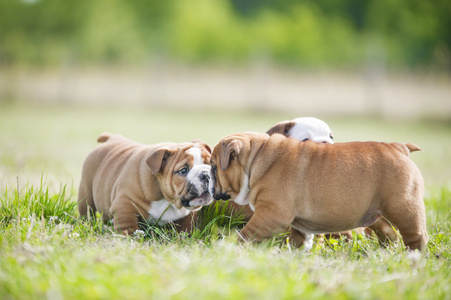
x=46, y=252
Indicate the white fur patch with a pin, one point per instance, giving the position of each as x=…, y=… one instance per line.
x=243, y=196
x=161, y=213
x=198, y=168
x=211, y=184
x=313, y=129
x=308, y=243
x=197, y=154
x=200, y=202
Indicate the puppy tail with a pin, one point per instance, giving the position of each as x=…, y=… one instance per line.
x=406, y=148
x=104, y=137
x=412, y=147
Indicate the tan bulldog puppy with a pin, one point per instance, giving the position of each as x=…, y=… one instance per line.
x=319, y=188
x=318, y=131
x=308, y=129
x=159, y=183
x=302, y=129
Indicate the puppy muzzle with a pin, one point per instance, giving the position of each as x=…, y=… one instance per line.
x=197, y=200
x=216, y=195
x=197, y=191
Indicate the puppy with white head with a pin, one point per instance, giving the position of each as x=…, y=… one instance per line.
x=160, y=183
x=304, y=129
x=320, y=188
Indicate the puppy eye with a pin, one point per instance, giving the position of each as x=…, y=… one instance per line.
x=331, y=137
x=306, y=139
x=213, y=167
x=183, y=171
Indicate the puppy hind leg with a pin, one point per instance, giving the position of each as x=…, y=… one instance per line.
x=411, y=224
x=383, y=230
x=298, y=239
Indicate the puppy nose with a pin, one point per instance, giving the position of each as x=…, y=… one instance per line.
x=204, y=176
x=185, y=203
x=221, y=196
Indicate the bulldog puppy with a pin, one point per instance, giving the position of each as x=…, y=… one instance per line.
x=318, y=131
x=308, y=129
x=304, y=129
x=160, y=183
x=319, y=188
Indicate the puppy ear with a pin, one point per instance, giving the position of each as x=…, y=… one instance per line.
x=104, y=137
x=157, y=160
x=230, y=150
x=202, y=143
x=282, y=128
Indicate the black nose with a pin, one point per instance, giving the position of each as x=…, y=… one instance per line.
x=221, y=196
x=185, y=203
x=204, y=176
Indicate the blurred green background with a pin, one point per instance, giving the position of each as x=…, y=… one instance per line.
x=385, y=58
x=345, y=34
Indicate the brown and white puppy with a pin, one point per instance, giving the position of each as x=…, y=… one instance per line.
x=304, y=129
x=160, y=183
x=319, y=188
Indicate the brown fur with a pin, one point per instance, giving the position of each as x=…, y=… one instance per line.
x=121, y=179
x=321, y=188
x=381, y=228
x=281, y=128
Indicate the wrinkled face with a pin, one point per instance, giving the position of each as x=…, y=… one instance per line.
x=304, y=129
x=227, y=174
x=184, y=174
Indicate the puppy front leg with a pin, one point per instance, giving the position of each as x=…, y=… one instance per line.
x=267, y=221
x=187, y=224
x=298, y=238
x=383, y=230
x=125, y=216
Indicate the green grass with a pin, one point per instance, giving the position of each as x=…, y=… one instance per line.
x=31, y=201
x=70, y=259
x=47, y=252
